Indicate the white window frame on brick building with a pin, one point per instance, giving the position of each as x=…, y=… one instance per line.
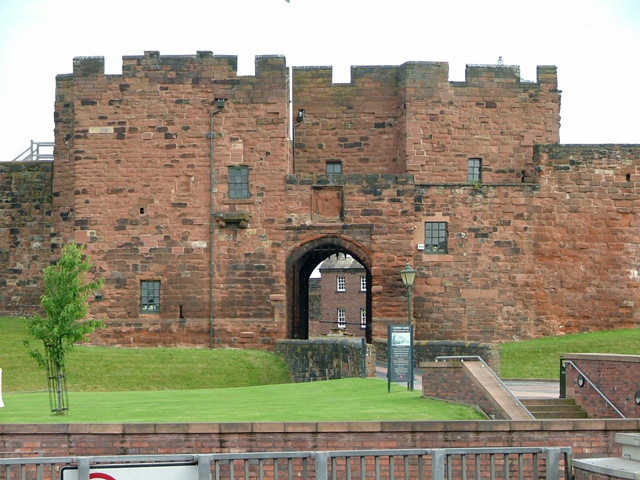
x=435, y=237
x=341, y=284
x=363, y=318
x=150, y=296
x=474, y=170
x=238, y=182
x=363, y=283
x=342, y=318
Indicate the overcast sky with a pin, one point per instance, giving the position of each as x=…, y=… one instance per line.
x=594, y=44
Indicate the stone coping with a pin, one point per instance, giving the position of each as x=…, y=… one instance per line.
x=603, y=357
x=612, y=467
x=479, y=426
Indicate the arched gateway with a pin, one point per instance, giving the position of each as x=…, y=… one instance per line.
x=301, y=263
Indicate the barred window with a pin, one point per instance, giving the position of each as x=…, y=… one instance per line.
x=342, y=318
x=474, y=170
x=334, y=168
x=150, y=296
x=239, y=182
x=341, y=284
x=435, y=240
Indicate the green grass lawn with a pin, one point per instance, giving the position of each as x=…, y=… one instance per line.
x=118, y=369
x=196, y=385
x=540, y=358
x=353, y=399
x=225, y=385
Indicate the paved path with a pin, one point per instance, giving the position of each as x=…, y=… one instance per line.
x=520, y=388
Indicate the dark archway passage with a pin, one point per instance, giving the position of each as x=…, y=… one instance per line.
x=299, y=267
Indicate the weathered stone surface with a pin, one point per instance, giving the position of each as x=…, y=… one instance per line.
x=547, y=243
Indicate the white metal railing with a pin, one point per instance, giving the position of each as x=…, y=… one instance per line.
x=552, y=463
x=37, y=152
x=598, y=391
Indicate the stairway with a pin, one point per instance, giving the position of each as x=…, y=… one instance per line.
x=544, y=408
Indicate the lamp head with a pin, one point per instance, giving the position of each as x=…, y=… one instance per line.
x=408, y=275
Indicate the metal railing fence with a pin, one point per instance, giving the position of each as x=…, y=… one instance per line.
x=493, y=463
x=37, y=152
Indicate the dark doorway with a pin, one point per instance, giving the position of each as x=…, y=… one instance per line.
x=301, y=264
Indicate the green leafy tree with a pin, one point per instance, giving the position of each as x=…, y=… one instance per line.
x=64, y=324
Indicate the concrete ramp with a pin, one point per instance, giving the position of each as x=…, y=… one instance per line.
x=495, y=391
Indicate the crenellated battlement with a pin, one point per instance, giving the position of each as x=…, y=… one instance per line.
x=427, y=74
x=179, y=68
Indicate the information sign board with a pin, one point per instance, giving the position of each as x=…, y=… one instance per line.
x=400, y=354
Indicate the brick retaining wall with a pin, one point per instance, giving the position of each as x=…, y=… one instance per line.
x=616, y=376
x=587, y=438
x=326, y=358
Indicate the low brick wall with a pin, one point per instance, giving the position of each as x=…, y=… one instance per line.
x=428, y=350
x=448, y=381
x=587, y=438
x=616, y=376
x=326, y=358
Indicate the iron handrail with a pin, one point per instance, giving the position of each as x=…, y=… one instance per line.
x=34, y=154
x=609, y=402
x=495, y=375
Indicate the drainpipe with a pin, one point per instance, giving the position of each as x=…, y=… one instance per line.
x=220, y=103
x=300, y=119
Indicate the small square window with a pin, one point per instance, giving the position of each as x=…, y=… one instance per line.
x=363, y=283
x=239, y=182
x=334, y=168
x=150, y=296
x=341, y=284
x=474, y=170
x=435, y=237
x=342, y=318
x=363, y=318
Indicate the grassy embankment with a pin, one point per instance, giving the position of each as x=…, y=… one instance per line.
x=540, y=358
x=197, y=385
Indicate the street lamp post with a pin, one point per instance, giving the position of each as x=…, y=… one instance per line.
x=408, y=275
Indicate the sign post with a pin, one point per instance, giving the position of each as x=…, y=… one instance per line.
x=400, y=355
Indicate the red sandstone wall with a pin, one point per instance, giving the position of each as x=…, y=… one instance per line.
x=356, y=123
x=586, y=245
x=139, y=158
x=412, y=119
x=131, y=181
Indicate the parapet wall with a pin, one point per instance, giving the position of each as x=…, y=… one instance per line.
x=587, y=438
x=25, y=234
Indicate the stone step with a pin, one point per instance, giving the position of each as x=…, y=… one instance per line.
x=547, y=401
x=559, y=414
x=554, y=408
